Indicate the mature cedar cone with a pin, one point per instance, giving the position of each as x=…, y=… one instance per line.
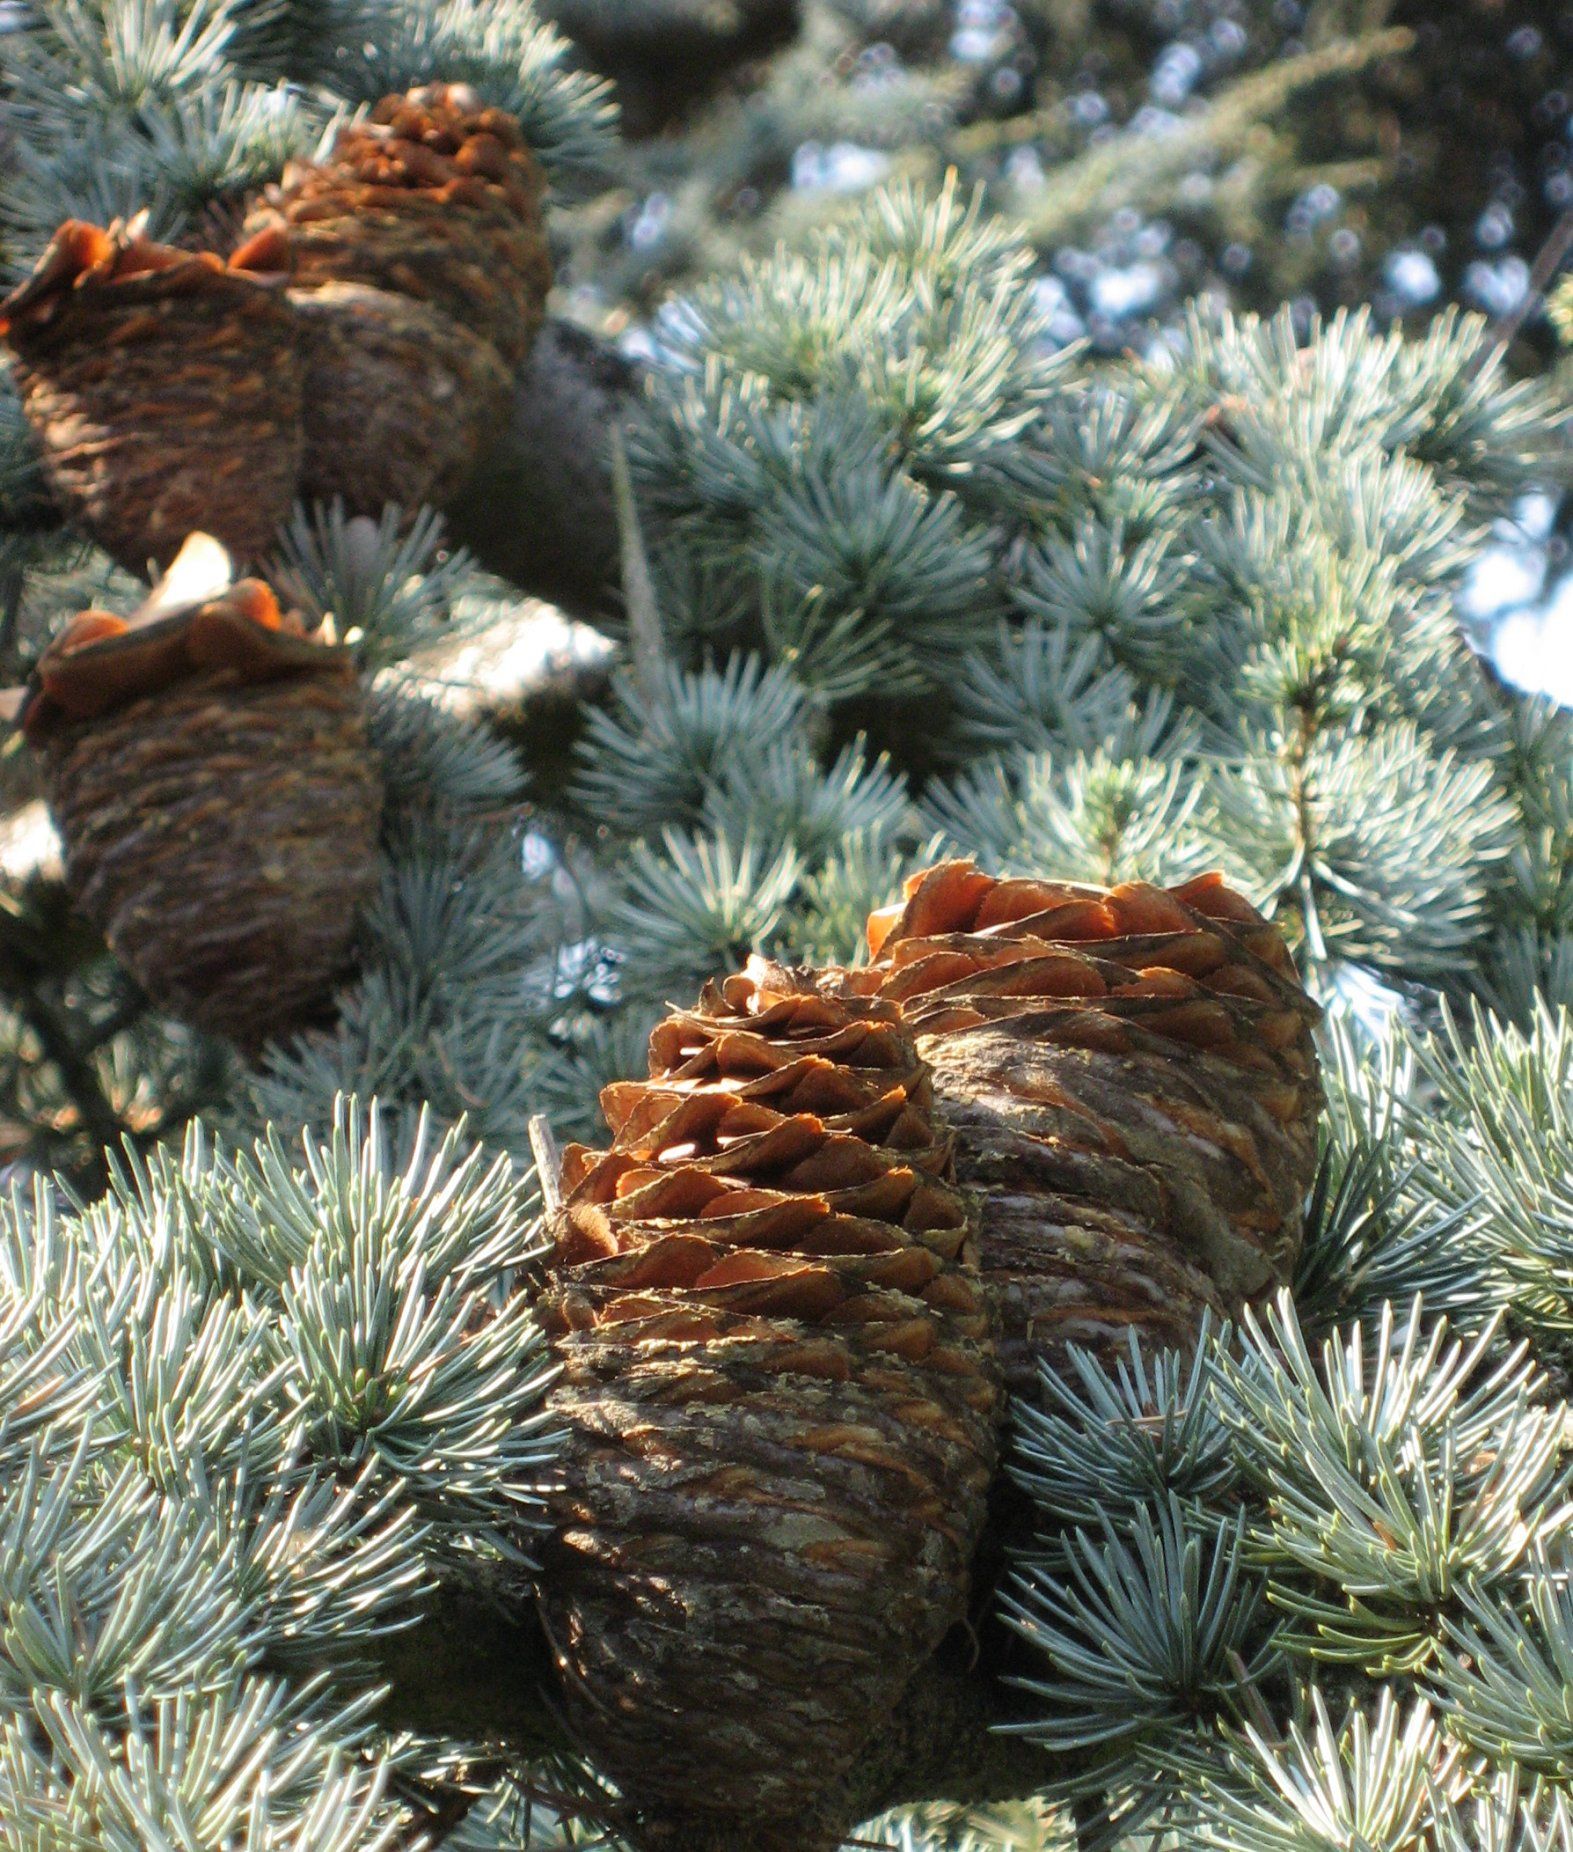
x=1131, y=1080
x=208, y=768
x=163, y=387
x=437, y=198
x=399, y=397
x=779, y=1388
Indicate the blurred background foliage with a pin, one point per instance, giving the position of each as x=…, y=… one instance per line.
x=1321, y=152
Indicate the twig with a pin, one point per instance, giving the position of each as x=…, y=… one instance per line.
x=13, y=578
x=548, y=1163
x=646, y=641
x=1090, y=1821
x=442, y=1807
x=19, y=975
x=566, y=1806
x=1504, y=331
x=441, y=1814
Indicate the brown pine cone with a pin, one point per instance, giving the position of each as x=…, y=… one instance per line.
x=164, y=388
x=1131, y=1080
x=437, y=198
x=780, y=1393
x=218, y=801
x=399, y=398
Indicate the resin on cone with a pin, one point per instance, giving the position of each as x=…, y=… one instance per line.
x=781, y=1399
x=399, y=398
x=437, y=198
x=1131, y=1080
x=163, y=387
x=208, y=768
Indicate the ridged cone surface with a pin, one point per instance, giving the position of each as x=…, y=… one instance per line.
x=435, y=197
x=219, y=829
x=164, y=399
x=399, y=398
x=1131, y=1081
x=780, y=1391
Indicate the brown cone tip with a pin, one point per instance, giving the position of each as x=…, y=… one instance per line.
x=438, y=135
x=781, y=1400
x=1131, y=1078
x=435, y=197
x=163, y=388
x=100, y=662
x=83, y=259
x=439, y=140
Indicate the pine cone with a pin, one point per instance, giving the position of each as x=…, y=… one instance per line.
x=213, y=785
x=437, y=198
x=1131, y=1080
x=781, y=1400
x=164, y=388
x=399, y=398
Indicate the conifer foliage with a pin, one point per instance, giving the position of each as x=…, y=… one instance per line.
x=361, y=1489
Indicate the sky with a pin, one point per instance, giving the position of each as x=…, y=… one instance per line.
x=1533, y=638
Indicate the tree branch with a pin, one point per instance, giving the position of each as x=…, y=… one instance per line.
x=440, y=1812
x=646, y=642
x=21, y=973
x=1502, y=334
